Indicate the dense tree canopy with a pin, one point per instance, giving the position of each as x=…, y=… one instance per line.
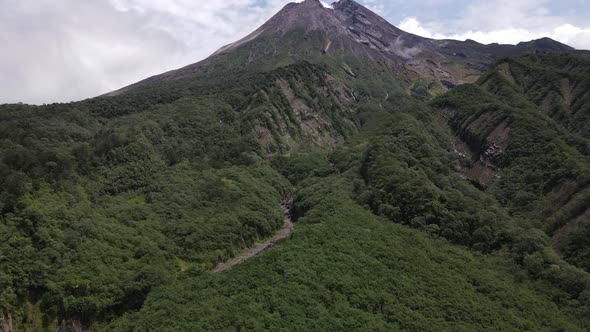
x=113, y=211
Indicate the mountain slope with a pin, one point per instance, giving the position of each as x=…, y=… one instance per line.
x=308, y=31
x=351, y=271
x=531, y=155
x=114, y=210
x=559, y=84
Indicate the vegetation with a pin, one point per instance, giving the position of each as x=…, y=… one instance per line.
x=114, y=210
x=96, y=212
x=346, y=269
x=544, y=167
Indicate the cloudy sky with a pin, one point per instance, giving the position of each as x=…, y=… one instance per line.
x=64, y=50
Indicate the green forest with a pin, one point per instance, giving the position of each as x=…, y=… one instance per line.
x=115, y=210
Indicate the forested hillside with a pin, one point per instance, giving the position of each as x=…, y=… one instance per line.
x=420, y=202
x=534, y=159
x=346, y=269
x=103, y=210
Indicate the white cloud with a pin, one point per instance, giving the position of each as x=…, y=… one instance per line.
x=326, y=4
x=69, y=49
x=412, y=25
x=566, y=33
x=376, y=6
x=572, y=35
x=503, y=21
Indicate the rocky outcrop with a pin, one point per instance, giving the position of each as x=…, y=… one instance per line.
x=303, y=106
x=478, y=156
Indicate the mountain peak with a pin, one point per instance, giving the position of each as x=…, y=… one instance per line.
x=312, y=3
x=348, y=27
x=345, y=18
x=308, y=15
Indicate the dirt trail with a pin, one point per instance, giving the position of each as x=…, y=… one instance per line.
x=282, y=234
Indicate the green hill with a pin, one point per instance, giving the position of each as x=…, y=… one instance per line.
x=422, y=202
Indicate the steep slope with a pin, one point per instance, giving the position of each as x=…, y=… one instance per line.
x=522, y=132
x=559, y=84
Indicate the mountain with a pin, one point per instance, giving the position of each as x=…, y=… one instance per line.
x=434, y=185
x=318, y=34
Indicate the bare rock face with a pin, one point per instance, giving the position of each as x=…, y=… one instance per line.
x=309, y=15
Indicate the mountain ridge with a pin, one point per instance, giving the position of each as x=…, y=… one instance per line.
x=351, y=27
